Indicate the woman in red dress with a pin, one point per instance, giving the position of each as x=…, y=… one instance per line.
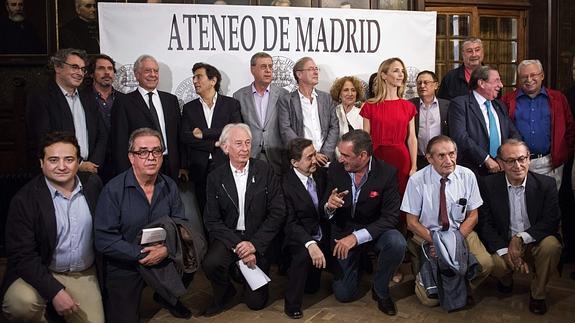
x=389, y=120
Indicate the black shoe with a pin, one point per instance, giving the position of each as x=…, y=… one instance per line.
x=504, y=289
x=537, y=306
x=217, y=307
x=178, y=310
x=297, y=314
x=386, y=305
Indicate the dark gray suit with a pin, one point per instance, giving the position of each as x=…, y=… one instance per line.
x=291, y=120
x=266, y=135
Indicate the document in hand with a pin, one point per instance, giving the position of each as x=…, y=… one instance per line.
x=152, y=235
x=256, y=278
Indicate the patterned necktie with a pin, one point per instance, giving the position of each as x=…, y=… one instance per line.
x=312, y=192
x=443, y=219
x=493, y=131
x=154, y=113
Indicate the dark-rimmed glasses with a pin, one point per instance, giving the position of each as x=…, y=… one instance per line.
x=143, y=154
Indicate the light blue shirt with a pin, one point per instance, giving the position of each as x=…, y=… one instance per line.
x=362, y=235
x=74, y=235
x=79, y=118
x=421, y=196
x=261, y=103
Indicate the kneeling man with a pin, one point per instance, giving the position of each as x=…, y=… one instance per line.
x=50, y=241
x=519, y=222
x=363, y=208
x=444, y=197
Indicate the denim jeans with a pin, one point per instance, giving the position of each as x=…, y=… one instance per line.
x=391, y=249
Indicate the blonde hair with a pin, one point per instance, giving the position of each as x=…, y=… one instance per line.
x=380, y=86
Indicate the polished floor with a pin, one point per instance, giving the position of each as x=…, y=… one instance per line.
x=322, y=307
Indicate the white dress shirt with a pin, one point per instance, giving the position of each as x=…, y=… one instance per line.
x=209, y=112
x=159, y=110
x=311, y=123
x=79, y=118
x=481, y=101
x=241, y=180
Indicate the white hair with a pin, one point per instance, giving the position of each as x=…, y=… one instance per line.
x=142, y=58
x=228, y=128
x=527, y=62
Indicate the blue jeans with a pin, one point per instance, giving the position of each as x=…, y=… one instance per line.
x=391, y=249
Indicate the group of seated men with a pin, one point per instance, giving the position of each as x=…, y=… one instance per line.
x=75, y=252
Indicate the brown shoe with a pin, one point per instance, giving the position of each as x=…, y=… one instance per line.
x=537, y=306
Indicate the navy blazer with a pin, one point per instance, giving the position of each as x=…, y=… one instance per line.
x=377, y=208
x=542, y=203
x=47, y=110
x=31, y=234
x=303, y=218
x=468, y=129
x=226, y=111
x=131, y=112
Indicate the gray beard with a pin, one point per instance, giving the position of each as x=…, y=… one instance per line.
x=18, y=17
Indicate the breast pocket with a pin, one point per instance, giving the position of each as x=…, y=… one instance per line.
x=458, y=212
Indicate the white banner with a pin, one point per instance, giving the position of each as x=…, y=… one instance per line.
x=341, y=41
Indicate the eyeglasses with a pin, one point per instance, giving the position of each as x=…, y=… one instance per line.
x=90, y=5
x=310, y=69
x=143, y=154
x=77, y=68
x=426, y=83
x=531, y=76
x=511, y=161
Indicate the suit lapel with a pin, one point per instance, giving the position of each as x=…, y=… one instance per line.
x=322, y=112
x=229, y=186
x=478, y=114
x=531, y=199
x=270, y=109
x=252, y=180
x=298, y=112
x=47, y=210
x=251, y=106
x=501, y=116
x=501, y=197
x=67, y=120
x=300, y=190
x=141, y=105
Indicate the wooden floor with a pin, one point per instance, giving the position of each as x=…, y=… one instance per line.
x=322, y=307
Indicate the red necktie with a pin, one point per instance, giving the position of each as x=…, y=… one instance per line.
x=443, y=219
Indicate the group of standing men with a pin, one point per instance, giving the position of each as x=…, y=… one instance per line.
x=141, y=145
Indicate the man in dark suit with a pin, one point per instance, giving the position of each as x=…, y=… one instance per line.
x=431, y=117
x=455, y=82
x=146, y=107
x=306, y=235
x=49, y=240
x=519, y=221
x=60, y=107
x=363, y=209
x=244, y=212
x=309, y=113
x=202, y=122
x=479, y=123
x=259, y=111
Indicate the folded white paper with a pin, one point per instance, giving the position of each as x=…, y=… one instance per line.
x=151, y=235
x=256, y=278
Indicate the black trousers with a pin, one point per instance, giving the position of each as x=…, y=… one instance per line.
x=217, y=264
x=123, y=296
x=302, y=276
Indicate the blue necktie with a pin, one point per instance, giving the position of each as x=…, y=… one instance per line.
x=493, y=131
x=310, y=186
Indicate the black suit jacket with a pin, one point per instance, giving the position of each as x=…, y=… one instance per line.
x=443, y=109
x=377, y=208
x=47, y=110
x=468, y=129
x=303, y=218
x=227, y=110
x=31, y=234
x=264, y=206
x=131, y=112
x=494, y=215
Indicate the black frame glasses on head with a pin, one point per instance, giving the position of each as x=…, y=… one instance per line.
x=144, y=153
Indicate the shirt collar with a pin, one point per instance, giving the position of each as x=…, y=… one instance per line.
x=542, y=92
x=521, y=185
x=145, y=92
x=313, y=93
x=434, y=103
x=213, y=101
x=66, y=94
x=255, y=91
x=368, y=167
x=54, y=191
x=301, y=176
x=480, y=99
x=435, y=177
x=237, y=172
